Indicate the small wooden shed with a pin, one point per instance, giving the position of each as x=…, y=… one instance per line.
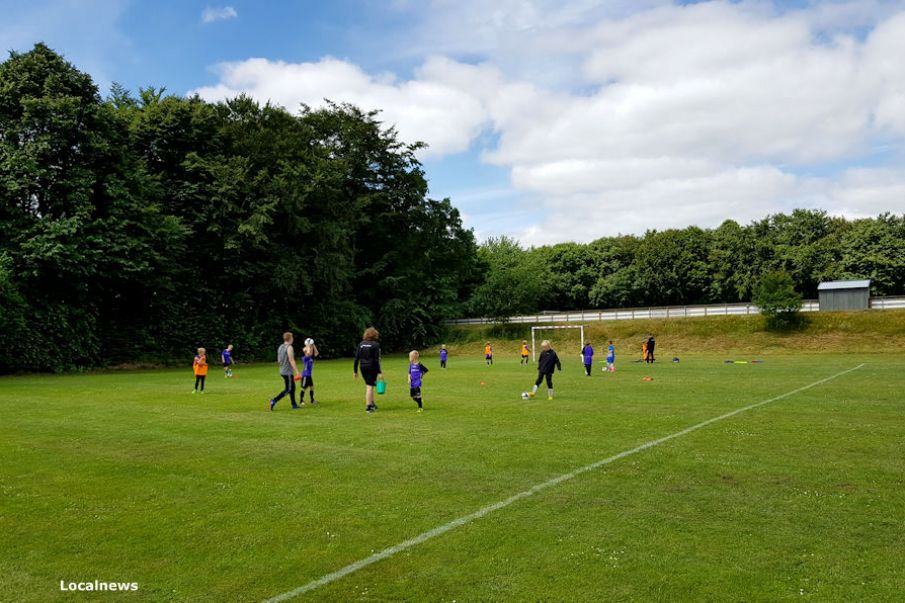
x=844, y=295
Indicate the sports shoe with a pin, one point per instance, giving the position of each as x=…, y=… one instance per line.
x=313, y=402
x=420, y=410
x=272, y=404
x=295, y=407
x=194, y=391
x=531, y=394
x=371, y=408
x=549, y=397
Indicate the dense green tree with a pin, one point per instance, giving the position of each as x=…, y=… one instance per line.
x=573, y=271
x=733, y=273
x=146, y=225
x=515, y=282
x=672, y=267
x=777, y=299
x=875, y=249
x=617, y=284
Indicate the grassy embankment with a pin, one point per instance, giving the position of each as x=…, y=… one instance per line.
x=877, y=331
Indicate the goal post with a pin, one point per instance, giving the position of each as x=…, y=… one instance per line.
x=534, y=331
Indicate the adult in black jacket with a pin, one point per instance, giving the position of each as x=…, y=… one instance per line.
x=367, y=358
x=651, y=344
x=546, y=364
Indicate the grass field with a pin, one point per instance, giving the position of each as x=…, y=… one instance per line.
x=126, y=476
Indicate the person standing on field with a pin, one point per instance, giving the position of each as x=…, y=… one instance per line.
x=649, y=349
x=288, y=371
x=199, y=366
x=367, y=357
x=546, y=363
x=587, y=356
x=416, y=377
x=444, y=355
x=227, y=357
x=309, y=353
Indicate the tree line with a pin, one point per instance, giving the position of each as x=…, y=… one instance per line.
x=136, y=227
x=691, y=265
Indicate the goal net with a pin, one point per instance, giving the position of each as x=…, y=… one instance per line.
x=562, y=334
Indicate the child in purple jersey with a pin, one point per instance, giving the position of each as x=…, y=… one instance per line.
x=309, y=352
x=416, y=372
x=587, y=356
x=227, y=357
x=444, y=354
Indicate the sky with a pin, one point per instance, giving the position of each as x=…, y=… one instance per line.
x=550, y=120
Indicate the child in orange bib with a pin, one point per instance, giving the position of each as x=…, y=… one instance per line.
x=200, y=368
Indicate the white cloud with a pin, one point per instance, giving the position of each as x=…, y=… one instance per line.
x=218, y=13
x=425, y=108
x=655, y=115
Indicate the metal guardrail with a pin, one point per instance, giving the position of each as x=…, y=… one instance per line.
x=810, y=305
x=887, y=303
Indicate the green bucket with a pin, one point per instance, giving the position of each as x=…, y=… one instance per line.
x=381, y=387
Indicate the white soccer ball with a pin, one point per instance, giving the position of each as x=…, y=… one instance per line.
x=525, y=396
x=309, y=341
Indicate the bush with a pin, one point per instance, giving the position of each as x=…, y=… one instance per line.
x=778, y=301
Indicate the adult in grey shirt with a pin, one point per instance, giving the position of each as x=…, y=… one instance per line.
x=288, y=371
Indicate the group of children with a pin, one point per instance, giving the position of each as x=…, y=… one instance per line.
x=587, y=355
x=367, y=358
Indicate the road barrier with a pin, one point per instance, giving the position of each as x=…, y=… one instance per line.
x=810, y=305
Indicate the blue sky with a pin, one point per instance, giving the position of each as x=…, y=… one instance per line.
x=551, y=121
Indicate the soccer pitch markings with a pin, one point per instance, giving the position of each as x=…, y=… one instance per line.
x=440, y=530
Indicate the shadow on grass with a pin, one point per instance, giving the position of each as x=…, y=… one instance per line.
x=787, y=323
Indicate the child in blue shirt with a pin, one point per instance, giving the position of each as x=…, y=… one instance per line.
x=308, y=354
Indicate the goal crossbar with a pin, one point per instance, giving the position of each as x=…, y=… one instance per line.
x=534, y=330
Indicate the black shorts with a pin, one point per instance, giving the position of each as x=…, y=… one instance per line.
x=415, y=392
x=307, y=381
x=369, y=375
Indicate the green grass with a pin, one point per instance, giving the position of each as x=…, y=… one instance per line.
x=125, y=476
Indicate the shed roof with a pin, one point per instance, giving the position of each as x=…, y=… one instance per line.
x=831, y=285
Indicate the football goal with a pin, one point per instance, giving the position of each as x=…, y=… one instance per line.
x=536, y=330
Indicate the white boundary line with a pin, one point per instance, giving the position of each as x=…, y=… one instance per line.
x=425, y=536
